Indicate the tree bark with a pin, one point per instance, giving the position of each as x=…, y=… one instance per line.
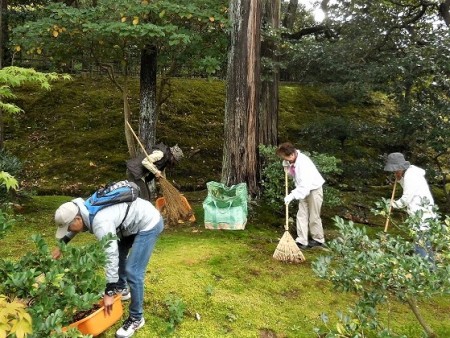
x=444, y=11
x=240, y=157
x=268, y=111
x=5, y=55
x=289, y=17
x=148, y=112
x=413, y=306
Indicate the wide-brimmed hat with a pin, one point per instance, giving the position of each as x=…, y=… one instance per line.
x=64, y=215
x=395, y=162
x=176, y=152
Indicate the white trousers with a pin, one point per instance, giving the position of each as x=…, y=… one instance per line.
x=308, y=218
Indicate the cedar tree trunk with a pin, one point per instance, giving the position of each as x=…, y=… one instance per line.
x=148, y=107
x=268, y=111
x=240, y=156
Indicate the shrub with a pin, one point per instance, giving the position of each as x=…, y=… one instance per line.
x=10, y=163
x=54, y=290
x=379, y=268
x=10, y=166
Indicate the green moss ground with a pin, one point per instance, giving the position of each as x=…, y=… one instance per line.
x=229, y=279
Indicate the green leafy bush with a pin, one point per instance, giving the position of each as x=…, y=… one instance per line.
x=55, y=290
x=10, y=166
x=379, y=268
x=10, y=163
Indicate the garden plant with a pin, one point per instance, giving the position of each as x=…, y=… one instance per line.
x=381, y=269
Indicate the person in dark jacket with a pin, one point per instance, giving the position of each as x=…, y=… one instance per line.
x=142, y=169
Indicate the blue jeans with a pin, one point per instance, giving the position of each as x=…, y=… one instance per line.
x=134, y=255
x=423, y=247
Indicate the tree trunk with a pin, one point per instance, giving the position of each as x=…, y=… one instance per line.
x=289, y=17
x=5, y=55
x=240, y=156
x=413, y=306
x=148, y=115
x=444, y=11
x=148, y=110
x=268, y=111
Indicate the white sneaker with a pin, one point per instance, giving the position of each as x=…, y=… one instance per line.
x=129, y=327
x=125, y=293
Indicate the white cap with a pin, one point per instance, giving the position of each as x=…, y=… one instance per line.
x=64, y=215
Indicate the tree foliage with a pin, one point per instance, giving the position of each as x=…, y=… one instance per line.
x=377, y=269
x=11, y=77
x=112, y=35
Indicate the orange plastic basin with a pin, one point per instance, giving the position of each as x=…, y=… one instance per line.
x=97, y=322
x=161, y=202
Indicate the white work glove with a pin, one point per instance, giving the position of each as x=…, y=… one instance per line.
x=288, y=199
x=397, y=205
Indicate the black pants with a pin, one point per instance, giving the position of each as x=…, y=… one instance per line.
x=143, y=186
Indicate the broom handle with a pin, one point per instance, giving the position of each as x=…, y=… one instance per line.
x=286, y=227
x=390, y=206
x=137, y=138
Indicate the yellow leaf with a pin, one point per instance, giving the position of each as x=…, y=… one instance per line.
x=211, y=18
x=55, y=34
x=3, y=329
x=17, y=48
x=124, y=18
x=144, y=2
x=135, y=20
x=38, y=51
x=21, y=328
x=340, y=328
x=162, y=14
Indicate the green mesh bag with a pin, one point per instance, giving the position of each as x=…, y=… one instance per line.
x=225, y=207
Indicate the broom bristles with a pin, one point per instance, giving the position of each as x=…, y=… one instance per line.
x=288, y=251
x=175, y=208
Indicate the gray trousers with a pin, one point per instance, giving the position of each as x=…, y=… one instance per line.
x=308, y=218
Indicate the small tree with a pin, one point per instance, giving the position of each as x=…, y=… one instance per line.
x=383, y=267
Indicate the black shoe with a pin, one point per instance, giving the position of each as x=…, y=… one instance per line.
x=301, y=246
x=314, y=244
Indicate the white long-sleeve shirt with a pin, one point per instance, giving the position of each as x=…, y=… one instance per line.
x=306, y=177
x=416, y=193
x=142, y=216
x=148, y=161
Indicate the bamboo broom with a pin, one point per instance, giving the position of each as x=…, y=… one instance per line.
x=175, y=208
x=287, y=250
x=390, y=207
